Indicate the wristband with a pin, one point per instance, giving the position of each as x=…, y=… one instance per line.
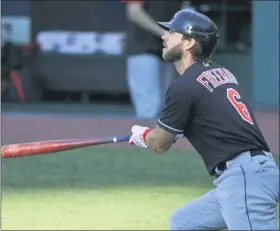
x=146, y=132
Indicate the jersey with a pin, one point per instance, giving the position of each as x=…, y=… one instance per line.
x=207, y=106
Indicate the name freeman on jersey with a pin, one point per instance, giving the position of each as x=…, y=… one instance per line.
x=213, y=78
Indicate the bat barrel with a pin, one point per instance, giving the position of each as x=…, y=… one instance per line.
x=35, y=148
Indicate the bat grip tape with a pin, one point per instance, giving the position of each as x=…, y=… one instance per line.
x=120, y=138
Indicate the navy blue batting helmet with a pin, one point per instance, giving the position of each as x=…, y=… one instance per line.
x=197, y=26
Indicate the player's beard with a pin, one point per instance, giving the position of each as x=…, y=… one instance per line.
x=174, y=54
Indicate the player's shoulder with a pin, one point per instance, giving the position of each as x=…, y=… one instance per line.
x=180, y=86
x=195, y=70
x=201, y=76
x=200, y=66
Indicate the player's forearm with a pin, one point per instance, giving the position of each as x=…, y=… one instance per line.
x=142, y=19
x=156, y=142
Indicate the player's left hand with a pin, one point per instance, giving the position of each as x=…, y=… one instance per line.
x=138, y=137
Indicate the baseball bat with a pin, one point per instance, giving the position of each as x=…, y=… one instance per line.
x=42, y=147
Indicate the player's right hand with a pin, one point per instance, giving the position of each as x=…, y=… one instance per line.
x=138, y=136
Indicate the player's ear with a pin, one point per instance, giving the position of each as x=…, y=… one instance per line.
x=188, y=43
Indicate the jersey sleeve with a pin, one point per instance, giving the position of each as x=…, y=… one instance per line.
x=178, y=103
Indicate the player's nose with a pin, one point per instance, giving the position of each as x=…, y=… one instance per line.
x=164, y=37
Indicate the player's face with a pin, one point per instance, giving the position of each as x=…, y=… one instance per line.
x=173, y=49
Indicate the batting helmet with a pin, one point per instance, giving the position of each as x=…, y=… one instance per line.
x=197, y=26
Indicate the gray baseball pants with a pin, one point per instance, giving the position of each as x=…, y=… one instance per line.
x=245, y=197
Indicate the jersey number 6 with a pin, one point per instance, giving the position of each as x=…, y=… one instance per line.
x=240, y=107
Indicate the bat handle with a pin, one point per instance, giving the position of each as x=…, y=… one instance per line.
x=117, y=139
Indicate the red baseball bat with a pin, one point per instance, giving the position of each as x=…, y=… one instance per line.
x=42, y=147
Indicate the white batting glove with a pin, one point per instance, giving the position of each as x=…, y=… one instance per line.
x=138, y=137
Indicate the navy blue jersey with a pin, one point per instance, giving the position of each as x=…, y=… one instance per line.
x=207, y=106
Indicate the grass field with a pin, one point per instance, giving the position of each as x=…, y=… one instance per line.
x=99, y=188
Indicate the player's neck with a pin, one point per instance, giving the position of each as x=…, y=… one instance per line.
x=183, y=64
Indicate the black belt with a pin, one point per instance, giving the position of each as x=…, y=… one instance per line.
x=223, y=166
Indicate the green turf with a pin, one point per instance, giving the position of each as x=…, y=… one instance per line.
x=99, y=188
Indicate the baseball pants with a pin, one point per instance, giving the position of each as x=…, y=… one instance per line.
x=148, y=79
x=245, y=197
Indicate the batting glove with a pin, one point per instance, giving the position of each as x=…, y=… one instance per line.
x=138, y=137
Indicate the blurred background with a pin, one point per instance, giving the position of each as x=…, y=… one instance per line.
x=75, y=52
x=80, y=69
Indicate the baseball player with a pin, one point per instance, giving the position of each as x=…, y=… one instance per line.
x=206, y=105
